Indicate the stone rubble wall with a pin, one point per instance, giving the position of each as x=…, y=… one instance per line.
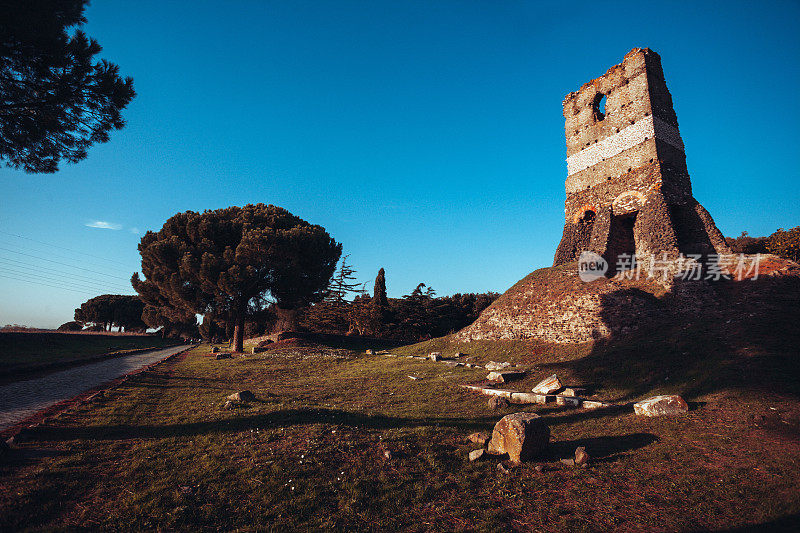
x=621, y=161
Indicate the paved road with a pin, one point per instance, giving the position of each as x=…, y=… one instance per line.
x=22, y=399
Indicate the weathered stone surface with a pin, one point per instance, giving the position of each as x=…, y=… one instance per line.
x=229, y=405
x=476, y=455
x=459, y=354
x=261, y=346
x=370, y=352
x=451, y=364
x=242, y=396
x=573, y=391
x=512, y=396
x=479, y=437
x=224, y=355
x=665, y=405
x=581, y=457
x=498, y=402
x=492, y=365
x=504, y=376
x=214, y=349
x=568, y=401
x=628, y=193
x=435, y=356
x=522, y=436
x=548, y=385
x=591, y=404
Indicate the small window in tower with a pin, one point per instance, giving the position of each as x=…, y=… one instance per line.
x=599, y=106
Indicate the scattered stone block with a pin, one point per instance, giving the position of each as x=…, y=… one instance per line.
x=229, y=405
x=591, y=404
x=581, y=457
x=476, y=455
x=481, y=438
x=224, y=355
x=370, y=352
x=458, y=354
x=413, y=377
x=242, y=396
x=505, y=467
x=522, y=436
x=498, y=402
x=387, y=454
x=214, y=349
x=574, y=391
x=492, y=365
x=568, y=401
x=451, y=364
x=435, y=356
x=548, y=385
x=261, y=346
x=504, y=376
x=665, y=405
x=568, y=462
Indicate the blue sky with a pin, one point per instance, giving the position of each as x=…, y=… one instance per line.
x=427, y=137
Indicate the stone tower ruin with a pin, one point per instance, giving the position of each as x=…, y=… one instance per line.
x=628, y=188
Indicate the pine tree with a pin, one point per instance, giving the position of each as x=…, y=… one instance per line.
x=228, y=262
x=55, y=99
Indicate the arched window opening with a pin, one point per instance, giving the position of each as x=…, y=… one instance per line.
x=599, y=106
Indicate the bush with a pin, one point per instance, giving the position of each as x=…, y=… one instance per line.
x=785, y=243
x=745, y=244
x=70, y=326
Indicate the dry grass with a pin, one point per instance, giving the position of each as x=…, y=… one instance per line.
x=22, y=353
x=159, y=452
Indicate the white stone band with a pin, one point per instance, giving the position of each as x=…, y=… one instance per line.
x=647, y=128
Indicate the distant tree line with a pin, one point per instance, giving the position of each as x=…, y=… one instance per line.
x=783, y=243
x=106, y=311
x=416, y=316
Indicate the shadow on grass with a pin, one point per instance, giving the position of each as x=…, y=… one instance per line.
x=276, y=419
x=786, y=523
x=601, y=449
x=699, y=339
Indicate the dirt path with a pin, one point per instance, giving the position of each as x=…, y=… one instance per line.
x=23, y=399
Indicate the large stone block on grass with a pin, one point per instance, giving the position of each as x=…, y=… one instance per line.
x=504, y=376
x=666, y=405
x=241, y=396
x=492, y=365
x=522, y=436
x=548, y=386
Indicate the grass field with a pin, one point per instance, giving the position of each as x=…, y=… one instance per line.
x=22, y=352
x=160, y=452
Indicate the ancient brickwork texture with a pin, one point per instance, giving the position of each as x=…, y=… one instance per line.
x=627, y=183
x=628, y=192
x=555, y=305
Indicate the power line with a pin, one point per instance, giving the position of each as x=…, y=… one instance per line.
x=47, y=270
x=42, y=284
x=62, y=247
x=63, y=264
x=66, y=282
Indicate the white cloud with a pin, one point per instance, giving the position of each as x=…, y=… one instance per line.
x=102, y=224
x=135, y=231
